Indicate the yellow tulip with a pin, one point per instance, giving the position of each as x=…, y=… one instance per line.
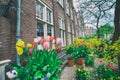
x=29, y=45
x=54, y=47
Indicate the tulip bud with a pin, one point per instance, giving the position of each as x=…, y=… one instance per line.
x=58, y=49
x=30, y=52
x=24, y=62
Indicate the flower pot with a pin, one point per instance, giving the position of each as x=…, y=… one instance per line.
x=70, y=62
x=80, y=61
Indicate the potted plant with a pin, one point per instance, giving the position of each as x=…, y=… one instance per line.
x=82, y=74
x=69, y=50
x=79, y=53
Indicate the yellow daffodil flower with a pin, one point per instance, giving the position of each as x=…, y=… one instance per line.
x=20, y=43
x=19, y=46
x=19, y=50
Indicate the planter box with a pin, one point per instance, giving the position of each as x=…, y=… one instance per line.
x=2, y=68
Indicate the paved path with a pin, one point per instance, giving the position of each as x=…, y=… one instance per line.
x=68, y=73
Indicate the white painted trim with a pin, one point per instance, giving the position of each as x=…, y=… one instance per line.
x=4, y=62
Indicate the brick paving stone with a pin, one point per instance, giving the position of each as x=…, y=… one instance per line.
x=68, y=73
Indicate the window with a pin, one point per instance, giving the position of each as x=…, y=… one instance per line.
x=69, y=37
x=49, y=30
x=62, y=35
x=60, y=2
x=39, y=10
x=72, y=29
x=62, y=30
x=69, y=29
x=44, y=16
x=61, y=23
x=68, y=7
x=48, y=15
x=40, y=30
x=71, y=13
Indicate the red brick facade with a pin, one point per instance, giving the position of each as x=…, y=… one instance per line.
x=28, y=25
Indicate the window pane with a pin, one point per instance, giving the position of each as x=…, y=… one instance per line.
x=48, y=15
x=39, y=10
x=40, y=30
x=49, y=30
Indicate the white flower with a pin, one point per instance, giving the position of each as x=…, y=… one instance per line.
x=35, y=40
x=38, y=38
x=40, y=47
x=53, y=41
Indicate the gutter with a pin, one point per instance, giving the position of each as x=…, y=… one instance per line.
x=18, y=26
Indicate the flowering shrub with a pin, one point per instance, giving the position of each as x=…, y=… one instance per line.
x=82, y=74
x=107, y=72
x=80, y=51
x=89, y=61
x=114, y=49
x=38, y=60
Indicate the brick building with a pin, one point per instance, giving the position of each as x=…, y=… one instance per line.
x=39, y=18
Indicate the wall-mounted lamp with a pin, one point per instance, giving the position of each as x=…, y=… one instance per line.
x=6, y=7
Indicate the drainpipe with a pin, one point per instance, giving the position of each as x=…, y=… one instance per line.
x=18, y=26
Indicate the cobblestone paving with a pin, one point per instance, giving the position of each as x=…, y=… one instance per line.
x=68, y=73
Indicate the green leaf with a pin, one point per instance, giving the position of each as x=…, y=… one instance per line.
x=44, y=68
x=34, y=68
x=15, y=68
x=38, y=74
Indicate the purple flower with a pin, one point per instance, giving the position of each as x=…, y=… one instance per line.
x=45, y=78
x=27, y=71
x=35, y=78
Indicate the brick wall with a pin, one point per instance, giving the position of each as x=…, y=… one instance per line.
x=28, y=20
x=7, y=35
x=8, y=29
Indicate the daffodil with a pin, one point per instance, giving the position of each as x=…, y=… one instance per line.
x=19, y=47
x=19, y=50
x=20, y=43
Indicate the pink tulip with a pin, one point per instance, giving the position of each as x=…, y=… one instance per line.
x=46, y=45
x=58, y=41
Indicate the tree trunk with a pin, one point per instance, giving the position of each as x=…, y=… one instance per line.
x=117, y=29
x=116, y=34
x=98, y=32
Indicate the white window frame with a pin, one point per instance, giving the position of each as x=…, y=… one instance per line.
x=60, y=2
x=38, y=10
x=62, y=30
x=44, y=20
x=67, y=7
